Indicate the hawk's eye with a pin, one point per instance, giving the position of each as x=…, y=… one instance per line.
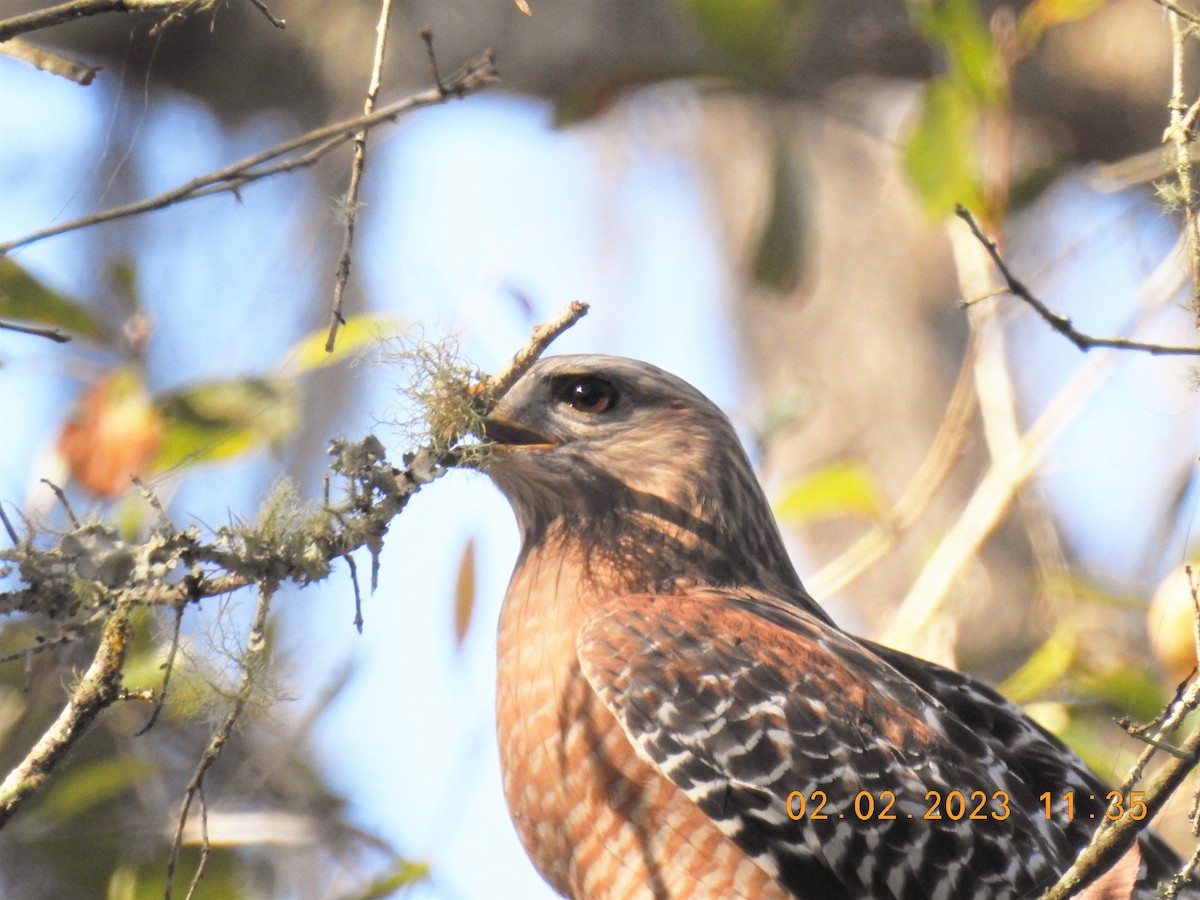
x=587, y=393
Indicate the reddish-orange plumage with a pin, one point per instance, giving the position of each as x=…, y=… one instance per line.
x=665, y=683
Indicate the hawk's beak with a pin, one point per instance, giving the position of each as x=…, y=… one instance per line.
x=510, y=435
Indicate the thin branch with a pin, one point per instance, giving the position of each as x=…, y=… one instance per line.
x=8, y=526
x=427, y=37
x=358, y=616
x=262, y=8
x=53, y=334
x=1179, y=11
x=475, y=76
x=540, y=338
x=66, y=636
x=1113, y=839
x=160, y=697
x=205, y=848
x=350, y=205
x=100, y=687
x=47, y=61
x=1179, y=136
x=253, y=664
x=1059, y=323
x=78, y=9
x=923, y=605
x=62, y=498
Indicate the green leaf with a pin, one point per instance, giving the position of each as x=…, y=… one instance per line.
x=404, y=873
x=841, y=488
x=224, y=419
x=957, y=26
x=1046, y=667
x=1128, y=687
x=780, y=255
x=77, y=790
x=353, y=335
x=941, y=155
x=760, y=36
x=25, y=299
x=1041, y=15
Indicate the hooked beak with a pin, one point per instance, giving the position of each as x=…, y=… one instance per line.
x=509, y=435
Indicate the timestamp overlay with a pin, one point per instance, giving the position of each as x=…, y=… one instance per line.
x=969, y=805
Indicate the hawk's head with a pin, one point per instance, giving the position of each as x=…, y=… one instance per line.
x=602, y=446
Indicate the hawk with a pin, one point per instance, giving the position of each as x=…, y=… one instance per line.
x=677, y=718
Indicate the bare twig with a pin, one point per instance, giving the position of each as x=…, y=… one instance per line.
x=1062, y=324
x=48, y=61
x=539, y=339
x=475, y=76
x=350, y=205
x=923, y=604
x=66, y=636
x=160, y=698
x=253, y=665
x=100, y=687
x=78, y=9
x=62, y=498
x=1179, y=136
x=427, y=36
x=358, y=616
x=1179, y=11
x=1113, y=839
x=262, y=8
x=1140, y=734
x=53, y=334
x=8, y=526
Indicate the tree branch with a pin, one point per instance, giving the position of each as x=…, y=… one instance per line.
x=100, y=687
x=48, y=61
x=50, y=333
x=350, y=206
x=253, y=664
x=1062, y=324
x=473, y=77
x=91, y=569
x=78, y=9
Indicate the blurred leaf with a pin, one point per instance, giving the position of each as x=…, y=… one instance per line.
x=780, y=255
x=760, y=36
x=957, y=26
x=25, y=299
x=1054, y=717
x=77, y=790
x=1080, y=590
x=1046, y=667
x=841, y=488
x=122, y=281
x=225, y=876
x=941, y=155
x=599, y=95
x=523, y=7
x=112, y=434
x=1130, y=688
x=356, y=333
x=1041, y=15
x=404, y=873
x=224, y=419
x=464, y=594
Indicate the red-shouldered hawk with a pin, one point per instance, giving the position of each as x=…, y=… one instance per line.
x=677, y=717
